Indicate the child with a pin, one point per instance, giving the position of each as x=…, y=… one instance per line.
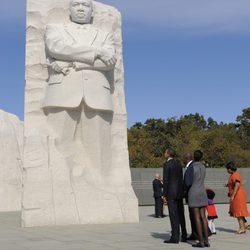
x=211, y=211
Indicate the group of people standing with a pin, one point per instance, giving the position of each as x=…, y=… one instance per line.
x=174, y=187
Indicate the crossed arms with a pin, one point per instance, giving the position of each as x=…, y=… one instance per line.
x=66, y=53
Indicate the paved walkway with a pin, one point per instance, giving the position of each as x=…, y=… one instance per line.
x=148, y=234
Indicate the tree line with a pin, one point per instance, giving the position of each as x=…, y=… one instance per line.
x=220, y=142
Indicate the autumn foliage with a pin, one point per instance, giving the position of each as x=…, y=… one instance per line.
x=220, y=142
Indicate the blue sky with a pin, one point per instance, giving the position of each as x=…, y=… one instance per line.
x=181, y=56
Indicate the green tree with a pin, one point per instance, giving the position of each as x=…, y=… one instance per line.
x=141, y=149
x=243, y=126
x=219, y=142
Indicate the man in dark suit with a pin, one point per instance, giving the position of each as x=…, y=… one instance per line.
x=173, y=192
x=188, y=160
x=157, y=187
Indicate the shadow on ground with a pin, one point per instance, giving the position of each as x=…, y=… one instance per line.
x=152, y=215
x=163, y=236
x=222, y=229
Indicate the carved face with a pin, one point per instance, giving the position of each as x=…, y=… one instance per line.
x=81, y=11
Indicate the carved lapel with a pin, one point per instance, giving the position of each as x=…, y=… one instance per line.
x=71, y=31
x=91, y=35
x=87, y=38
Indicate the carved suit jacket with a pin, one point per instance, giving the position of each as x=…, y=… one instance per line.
x=86, y=78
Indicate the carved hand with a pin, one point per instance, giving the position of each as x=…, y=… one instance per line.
x=56, y=67
x=64, y=68
x=106, y=57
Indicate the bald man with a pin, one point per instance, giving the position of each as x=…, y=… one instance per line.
x=157, y=187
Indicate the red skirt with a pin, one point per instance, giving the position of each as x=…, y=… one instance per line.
x=211, y=212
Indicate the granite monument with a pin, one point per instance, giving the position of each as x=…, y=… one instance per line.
x=76, y=166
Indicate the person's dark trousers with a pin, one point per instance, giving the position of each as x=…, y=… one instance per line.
x=182, y=220
x=174, y=219
x=158, y=207
x=192, y=222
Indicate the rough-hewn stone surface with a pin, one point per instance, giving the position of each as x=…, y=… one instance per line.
x=51, y=194
x=11, y=146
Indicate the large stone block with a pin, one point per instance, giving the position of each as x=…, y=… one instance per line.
x=83, y=178
x=11, y=147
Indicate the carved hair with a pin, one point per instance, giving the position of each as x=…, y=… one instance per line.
x=92, y=6
x=91, y=2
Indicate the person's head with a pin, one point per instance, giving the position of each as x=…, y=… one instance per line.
x=198, y=155
x=187, y=158
x=210, y=194
x=231, y=168
x=169, y=153
x=81, y=11
x=157, y=176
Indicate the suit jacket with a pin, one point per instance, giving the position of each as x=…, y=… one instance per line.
x=157, y=187
x=172, y=180
x=65, y=44
x=188, y=180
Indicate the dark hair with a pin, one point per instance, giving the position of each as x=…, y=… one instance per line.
x=171, y=152
x=230, y=165
x=197, y=155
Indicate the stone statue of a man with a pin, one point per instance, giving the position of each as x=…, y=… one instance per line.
x=78, y=97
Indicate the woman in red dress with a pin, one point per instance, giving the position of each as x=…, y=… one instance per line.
x=238, y=198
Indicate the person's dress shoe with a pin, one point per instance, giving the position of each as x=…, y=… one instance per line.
x=198, y=245
x=171, y=241
x=192, y=237
x=183, y=239
x=206, y=244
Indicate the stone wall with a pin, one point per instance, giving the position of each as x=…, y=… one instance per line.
x=215, y=179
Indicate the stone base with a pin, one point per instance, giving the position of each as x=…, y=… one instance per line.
x=93, y=206
x=54, y=195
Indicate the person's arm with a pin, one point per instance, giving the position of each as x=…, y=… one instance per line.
x=189, y=177
x=60, y=49
x=154, y=186
x=236, y=187
x=165, y=180
x=161, y=183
